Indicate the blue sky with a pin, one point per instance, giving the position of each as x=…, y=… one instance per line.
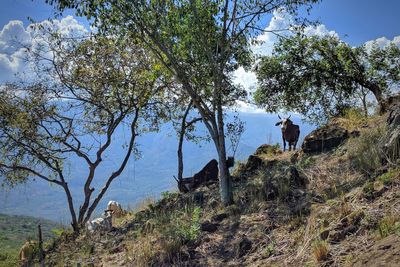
x=355, y=21
x=360, y=20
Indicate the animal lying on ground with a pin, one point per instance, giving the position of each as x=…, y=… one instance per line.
x=209, y=173
x=290, y=132
x=104, y=223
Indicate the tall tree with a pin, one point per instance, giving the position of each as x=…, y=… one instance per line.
x=200, y=42
x=319, y=75
x=88, y=88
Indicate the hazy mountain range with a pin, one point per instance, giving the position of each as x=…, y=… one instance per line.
x=146, y=177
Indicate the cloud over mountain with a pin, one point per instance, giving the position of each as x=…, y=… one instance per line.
x=15, y=39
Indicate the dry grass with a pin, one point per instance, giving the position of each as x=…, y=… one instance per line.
x=366, y=152
x=320, y=250
x=331, y=175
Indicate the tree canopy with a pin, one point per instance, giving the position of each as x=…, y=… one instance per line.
x=199, y=42
x=84, y=91
x=317, y=76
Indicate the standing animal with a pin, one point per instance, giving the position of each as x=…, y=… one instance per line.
x=290, y=132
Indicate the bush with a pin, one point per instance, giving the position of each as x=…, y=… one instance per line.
x=390, y=176
x=164, y=235
x=389, y=225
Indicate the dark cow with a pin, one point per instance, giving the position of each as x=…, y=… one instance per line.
x=290, y=132
x=209, y=173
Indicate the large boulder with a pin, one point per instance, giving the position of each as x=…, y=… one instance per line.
x=324, y=139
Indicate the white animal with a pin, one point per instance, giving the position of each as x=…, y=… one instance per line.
x=115, y=208
x=103, y=223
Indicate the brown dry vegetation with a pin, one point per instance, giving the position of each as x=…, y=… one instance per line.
x=336, y=212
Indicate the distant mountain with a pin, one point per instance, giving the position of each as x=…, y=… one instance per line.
x=146, y=177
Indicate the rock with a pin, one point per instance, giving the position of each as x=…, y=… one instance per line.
x=243, y=246
x=324, y=139
x=253, y=163
x=267, y=149
x=295, y=177
x=219, y=217
x=209, y=227
x=338, y=234
x=295, y=157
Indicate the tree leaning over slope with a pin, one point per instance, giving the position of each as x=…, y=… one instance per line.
x=317, y=75
x=200, y=42
x=88, y=90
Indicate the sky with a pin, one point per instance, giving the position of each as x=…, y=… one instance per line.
x=356, y=22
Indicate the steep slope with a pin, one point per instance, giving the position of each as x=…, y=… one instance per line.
x=333, y=208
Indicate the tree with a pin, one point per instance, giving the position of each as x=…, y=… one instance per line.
x=318, y=75
x=86, y=90
x=185, y=129
x=199, y=42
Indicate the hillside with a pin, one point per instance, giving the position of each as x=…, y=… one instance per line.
x=334, y=205
x=140, y=179
x=14, y=230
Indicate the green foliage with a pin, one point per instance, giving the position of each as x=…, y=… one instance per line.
x=320, y=76
x=15, y=230
x=389, y=225
x=368, y=189
x=57, y=231
x=181, y=226
x=390, y=176
x=269, y=250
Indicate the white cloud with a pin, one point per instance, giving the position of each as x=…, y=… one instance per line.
x=247, y=108
x=382, y=42
x=14, y=38
x=281, y=20
x=319, y=30
x=264, y=46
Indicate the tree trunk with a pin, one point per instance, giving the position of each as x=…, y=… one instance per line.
x=74, y=223
x=364, y=102
x=180, y=143
x=224, y=176
x=378, y=93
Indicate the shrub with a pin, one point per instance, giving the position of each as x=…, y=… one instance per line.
x=389, y=225
x=165, y=234
x=390, y=176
